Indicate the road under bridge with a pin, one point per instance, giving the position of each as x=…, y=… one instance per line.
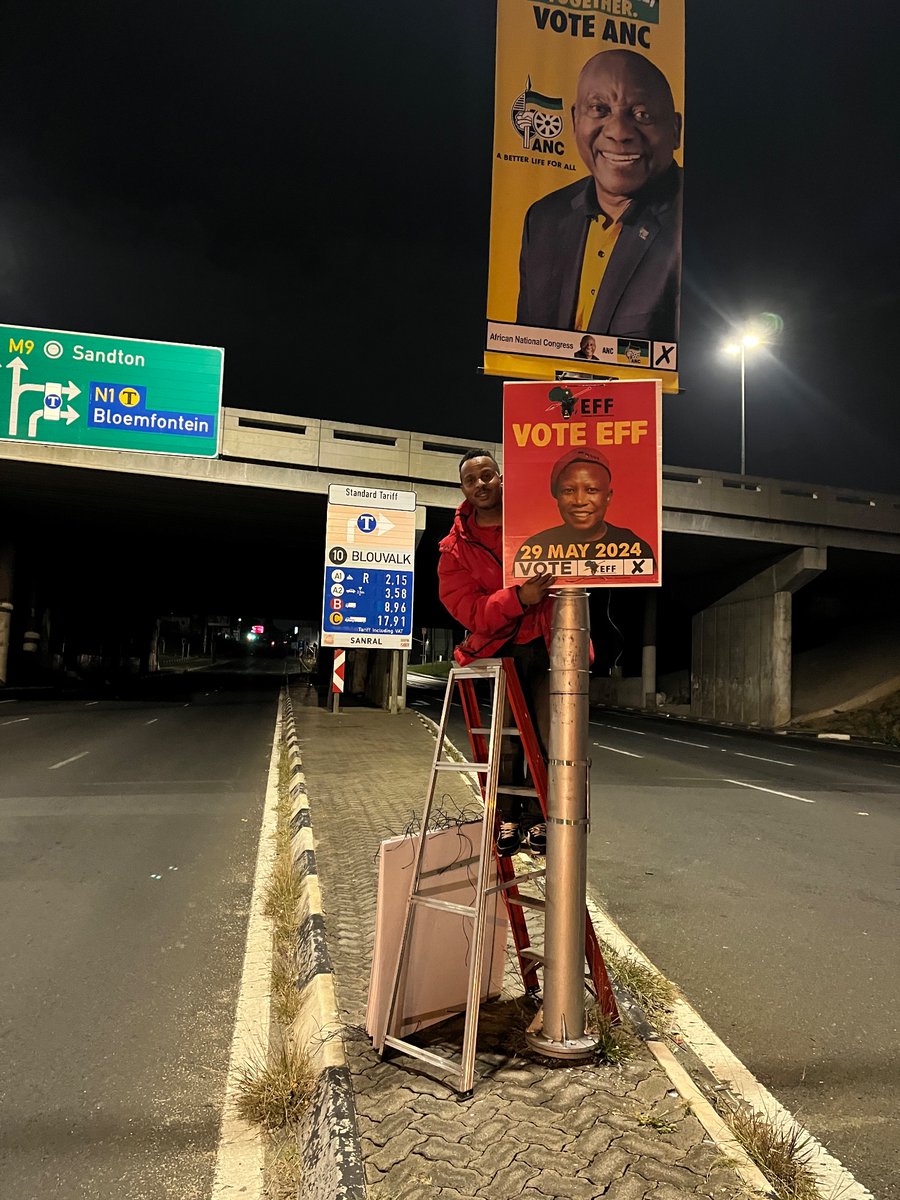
x=98, y=540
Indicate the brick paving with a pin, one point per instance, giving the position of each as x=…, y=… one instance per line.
x=532, y=1128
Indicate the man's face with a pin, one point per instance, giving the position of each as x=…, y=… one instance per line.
x=481, y=483
x=588, y=347
x=626, y=128
x=583, y=494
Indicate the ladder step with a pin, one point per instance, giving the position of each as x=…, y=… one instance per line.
x=515, y=789
x=516, y=879
x=473, y=672
x=528, y=902
x=463, y=766
x=463, y=910
x=512, y=731
x=538, y=956
x=437, y=1060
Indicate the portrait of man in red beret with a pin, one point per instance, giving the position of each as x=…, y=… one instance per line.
x=581, y=484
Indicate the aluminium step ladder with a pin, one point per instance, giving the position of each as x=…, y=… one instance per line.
x=485, y=742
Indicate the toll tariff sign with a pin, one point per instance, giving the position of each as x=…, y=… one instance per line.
x=582, y=483
x=370, y=542
x=109, y=393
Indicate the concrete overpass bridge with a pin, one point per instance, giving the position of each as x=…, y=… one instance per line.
x=735, y=549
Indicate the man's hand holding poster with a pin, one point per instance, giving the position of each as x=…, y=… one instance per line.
x=582, y=482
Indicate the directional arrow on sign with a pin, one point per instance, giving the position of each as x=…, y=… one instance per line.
x=17, y=366
x=385, y=525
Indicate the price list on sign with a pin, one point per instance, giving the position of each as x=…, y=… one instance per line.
x=370, y=541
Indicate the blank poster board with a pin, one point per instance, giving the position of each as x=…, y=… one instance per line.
x=435, y=977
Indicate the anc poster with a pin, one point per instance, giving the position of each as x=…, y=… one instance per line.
x=585, y=253
x=582, y=482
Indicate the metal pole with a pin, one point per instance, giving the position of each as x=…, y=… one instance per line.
x=562, y=1035
x=648, y=655
x=743, y=416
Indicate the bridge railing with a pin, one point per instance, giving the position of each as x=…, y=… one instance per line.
x=395, y=454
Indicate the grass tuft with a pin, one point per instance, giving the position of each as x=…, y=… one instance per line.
x=782, y=1155
x=653, y=993
x=282, y=898
x=274, y=1092
x=285, y=996
x=285, y=1166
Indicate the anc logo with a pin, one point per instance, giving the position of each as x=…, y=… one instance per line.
x=537, y=120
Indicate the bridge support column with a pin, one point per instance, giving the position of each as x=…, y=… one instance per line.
x=741, y=646
x=6, y=606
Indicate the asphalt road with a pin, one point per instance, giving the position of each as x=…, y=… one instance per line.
x=760, y=873
x=128, y=839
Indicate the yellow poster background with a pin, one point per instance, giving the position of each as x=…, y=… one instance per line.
x=551, y=57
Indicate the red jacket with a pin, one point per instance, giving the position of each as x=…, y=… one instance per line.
x=470, y=584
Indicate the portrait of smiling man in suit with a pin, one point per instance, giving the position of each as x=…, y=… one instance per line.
x=604, y=254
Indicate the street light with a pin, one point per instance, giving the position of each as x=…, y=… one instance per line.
x=746, y=340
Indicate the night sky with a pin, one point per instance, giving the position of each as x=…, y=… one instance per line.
x=307, y=185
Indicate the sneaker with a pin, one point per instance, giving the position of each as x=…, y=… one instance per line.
x=537, y=838
x=508, y=838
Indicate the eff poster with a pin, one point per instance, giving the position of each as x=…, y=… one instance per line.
x=585, y=249
x=582, y=482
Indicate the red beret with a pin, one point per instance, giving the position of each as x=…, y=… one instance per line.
x=579, y=454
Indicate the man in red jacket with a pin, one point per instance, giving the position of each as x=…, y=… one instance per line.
x=500, y=622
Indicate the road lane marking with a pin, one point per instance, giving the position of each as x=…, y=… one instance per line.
x=65, y=762
x=620, y=728
x=240, y=1153
x=90, y=703
x=153, y=722
x=759, y=758
x=17, y=721
x=682, y=742
x=9, y=702
x=615, y=751
x=771, y=791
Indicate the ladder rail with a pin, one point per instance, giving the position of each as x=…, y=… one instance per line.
x=417, y=868
x=476, y=965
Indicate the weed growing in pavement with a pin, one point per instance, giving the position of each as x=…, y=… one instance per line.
x=782, y=1155
x=654, y=1120
x=653, y=993
x=614, y=1043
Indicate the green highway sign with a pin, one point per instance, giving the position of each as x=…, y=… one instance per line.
x=109, y=393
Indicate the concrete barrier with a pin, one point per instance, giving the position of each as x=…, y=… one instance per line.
x=329, y=1139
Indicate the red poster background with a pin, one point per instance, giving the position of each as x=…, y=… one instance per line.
x=636, y=465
